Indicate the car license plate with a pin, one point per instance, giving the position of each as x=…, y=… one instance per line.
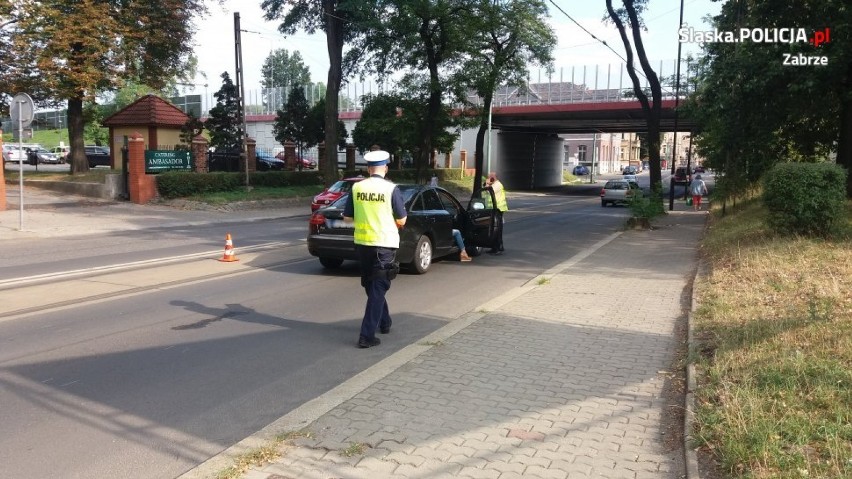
x=339, y=224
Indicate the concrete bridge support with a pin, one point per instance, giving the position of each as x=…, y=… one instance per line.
x=527, y=161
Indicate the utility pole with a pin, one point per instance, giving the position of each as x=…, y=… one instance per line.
x=241, y=87
x=677, y=100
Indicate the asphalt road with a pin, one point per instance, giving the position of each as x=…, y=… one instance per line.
x=155, y=381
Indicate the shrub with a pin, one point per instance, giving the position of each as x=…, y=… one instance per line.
x=805, y=198
x=647, y=207
x=176, y=184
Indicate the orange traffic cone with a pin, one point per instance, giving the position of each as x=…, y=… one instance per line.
x=229, y=250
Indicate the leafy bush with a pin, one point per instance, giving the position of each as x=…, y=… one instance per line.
x=176, y=184
x=408, y=175
x=647, y=207
x=183, y=184
x=805, y=198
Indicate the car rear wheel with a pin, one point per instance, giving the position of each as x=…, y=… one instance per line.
x=422, y=255
x=331, y=263
x=473, y=251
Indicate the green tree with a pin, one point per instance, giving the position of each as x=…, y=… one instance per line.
x=506, y=36
x=754, y=111
x=280, y=69
x=341, y=20
x=224, y=121
x=315, y=133
x=628, y=16
x=394, y=122
x=192, y=128
x=419, y=36
x=293, y=122
x=77, y=50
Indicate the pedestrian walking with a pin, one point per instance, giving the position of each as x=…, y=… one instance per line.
x=698, y=189
x=434, y=180
x=377, y=209
x=502, y=206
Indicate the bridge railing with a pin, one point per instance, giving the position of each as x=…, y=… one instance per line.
x=572, y=84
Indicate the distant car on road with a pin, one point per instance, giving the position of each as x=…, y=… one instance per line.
x=580, y=170
x=619, y=191
x=680, y=176
x=630, y=170
x=630, y=178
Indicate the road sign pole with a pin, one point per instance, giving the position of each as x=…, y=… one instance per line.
x=20, y=165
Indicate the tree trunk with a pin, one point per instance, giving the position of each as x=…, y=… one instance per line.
x=77, y=156
x=334, y=43
x=479, y=153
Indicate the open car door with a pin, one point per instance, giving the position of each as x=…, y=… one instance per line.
x=482, y=218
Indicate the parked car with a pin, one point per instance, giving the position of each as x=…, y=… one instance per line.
x=580, y=170
x=630, y=170
x=61, y=152
x=334, y=192
x=12, y=152
x=619, y=191
x=307, y=163
x=266, y=162
x=433, y=212
x=699, y=169
x=680, y=176
x=42, y=156
x=97, y=156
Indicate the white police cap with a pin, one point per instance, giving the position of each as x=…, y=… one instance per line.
x=377, y=158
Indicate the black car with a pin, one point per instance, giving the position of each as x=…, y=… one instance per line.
x=433, y=212
x=266, y=162
x=630, y=170
x=97, y=156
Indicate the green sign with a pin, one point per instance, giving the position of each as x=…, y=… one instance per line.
x=167, y=160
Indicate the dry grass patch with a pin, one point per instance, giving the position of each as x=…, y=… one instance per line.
x=775, y=336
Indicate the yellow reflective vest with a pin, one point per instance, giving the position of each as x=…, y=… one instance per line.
x=500, y=195
x=374, y=221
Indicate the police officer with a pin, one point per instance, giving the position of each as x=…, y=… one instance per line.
x=502, y=206
x=377, y=208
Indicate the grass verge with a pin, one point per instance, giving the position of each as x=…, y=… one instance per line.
x=774, y=336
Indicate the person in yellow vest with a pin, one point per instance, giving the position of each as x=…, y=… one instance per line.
x=501, y=207
x=377, y=209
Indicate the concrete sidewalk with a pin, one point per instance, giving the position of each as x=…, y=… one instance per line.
x=571, y=376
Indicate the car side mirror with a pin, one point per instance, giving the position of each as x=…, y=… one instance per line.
x=477, y=205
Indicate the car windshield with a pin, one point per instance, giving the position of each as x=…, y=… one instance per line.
x=341, y=186
x=616, y=185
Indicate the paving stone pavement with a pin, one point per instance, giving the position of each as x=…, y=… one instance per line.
x=565, y=380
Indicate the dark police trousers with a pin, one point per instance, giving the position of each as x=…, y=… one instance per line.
x=377, y=270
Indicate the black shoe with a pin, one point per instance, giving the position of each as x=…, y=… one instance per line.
x=492, y=251
x=495, y=252
x=368, y=343
x=385, y=330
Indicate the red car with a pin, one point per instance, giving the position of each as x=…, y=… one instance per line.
x=307, y=163
x=333, y=192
